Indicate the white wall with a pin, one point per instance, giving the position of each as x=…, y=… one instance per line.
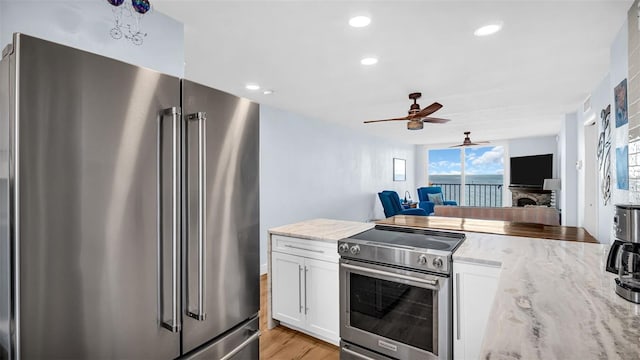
x=602, y=96
x=568, y=152
x=421, y=167
x=619, y=69
x=538, y=145
x=633, y=91
x=311, y=169
x=599, y=101
x=86, y=25
x=580, y=178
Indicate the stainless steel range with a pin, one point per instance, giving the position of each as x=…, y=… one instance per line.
x=396, y=294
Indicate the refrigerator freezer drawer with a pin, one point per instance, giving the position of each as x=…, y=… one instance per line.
x=240, y=344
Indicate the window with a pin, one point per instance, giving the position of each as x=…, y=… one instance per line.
x=479, y=170
x=445, y=171
x=484, y=176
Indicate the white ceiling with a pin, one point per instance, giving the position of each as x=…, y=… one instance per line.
x=517, y=83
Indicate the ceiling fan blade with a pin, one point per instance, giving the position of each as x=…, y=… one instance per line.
x=429, y=110
x=435, y=120
x=394, y=119
x=461, y=145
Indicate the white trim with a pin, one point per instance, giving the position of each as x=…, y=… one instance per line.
x=263, y=269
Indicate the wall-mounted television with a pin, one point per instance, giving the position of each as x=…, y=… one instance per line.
x=530, y=171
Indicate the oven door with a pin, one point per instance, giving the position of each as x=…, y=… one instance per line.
x=400, y=313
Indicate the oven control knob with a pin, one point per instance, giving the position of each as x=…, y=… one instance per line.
x=344, y=248
x=422, y=259
x=355, y=250
x=437, y=263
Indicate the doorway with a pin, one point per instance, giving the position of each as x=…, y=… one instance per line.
x=591, y=179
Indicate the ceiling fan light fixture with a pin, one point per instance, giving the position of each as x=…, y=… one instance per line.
x=417, y=117
x=359, y=21
x=467, y=141
x=488, y=29
x=415, y=125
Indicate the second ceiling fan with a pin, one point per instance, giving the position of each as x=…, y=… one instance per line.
x=417, y=117
x=467, y=141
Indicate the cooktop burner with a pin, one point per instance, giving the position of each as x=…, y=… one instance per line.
x=420, y=249
x=415, y=238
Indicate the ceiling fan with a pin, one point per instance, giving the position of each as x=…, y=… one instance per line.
x=417, y=117
x=467, y=141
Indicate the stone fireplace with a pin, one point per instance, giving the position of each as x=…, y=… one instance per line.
x=525, y=196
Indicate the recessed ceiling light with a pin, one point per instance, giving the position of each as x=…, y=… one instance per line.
x=369, y=61
x=252, y=87
x=268, y=92
x=359, y=21
x=488, y=29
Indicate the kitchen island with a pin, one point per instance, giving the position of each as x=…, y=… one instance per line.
x=553, y=299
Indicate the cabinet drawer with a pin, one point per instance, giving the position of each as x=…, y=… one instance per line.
x=315, y=249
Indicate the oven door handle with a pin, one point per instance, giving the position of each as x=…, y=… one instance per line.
x=431, y=283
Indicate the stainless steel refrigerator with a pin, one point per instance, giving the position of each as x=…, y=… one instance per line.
x=129, y=218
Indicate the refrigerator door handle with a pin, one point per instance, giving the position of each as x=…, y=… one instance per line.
x=244, y=344
x=200, y=118
x=172, y=324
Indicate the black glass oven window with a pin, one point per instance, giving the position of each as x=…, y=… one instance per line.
x=396, y=311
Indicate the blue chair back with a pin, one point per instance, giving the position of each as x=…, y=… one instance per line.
x=423, y=191
x=390, y=202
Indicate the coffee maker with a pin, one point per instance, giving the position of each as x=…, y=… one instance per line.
x=624, y=255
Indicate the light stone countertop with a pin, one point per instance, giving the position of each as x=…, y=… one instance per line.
x=554, y=298
x=322, y=229
x=554, y=301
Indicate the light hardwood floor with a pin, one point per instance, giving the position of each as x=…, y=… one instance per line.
x=282, y=343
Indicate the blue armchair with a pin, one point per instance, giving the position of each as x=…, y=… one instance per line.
x=427, y=204
x=392, y=206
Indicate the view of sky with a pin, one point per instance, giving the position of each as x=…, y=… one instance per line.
x=478, y=161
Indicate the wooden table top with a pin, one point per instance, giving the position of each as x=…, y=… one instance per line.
x=566, y=233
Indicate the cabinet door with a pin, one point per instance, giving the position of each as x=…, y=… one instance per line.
x=322, y=299
x=287, y=291
x=474, y=290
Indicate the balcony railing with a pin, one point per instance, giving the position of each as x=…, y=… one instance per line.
x=486, y=195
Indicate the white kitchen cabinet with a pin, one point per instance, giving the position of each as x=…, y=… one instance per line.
x=322, y=298
x=305, y=285
x=473, y=293
x=288, y=288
